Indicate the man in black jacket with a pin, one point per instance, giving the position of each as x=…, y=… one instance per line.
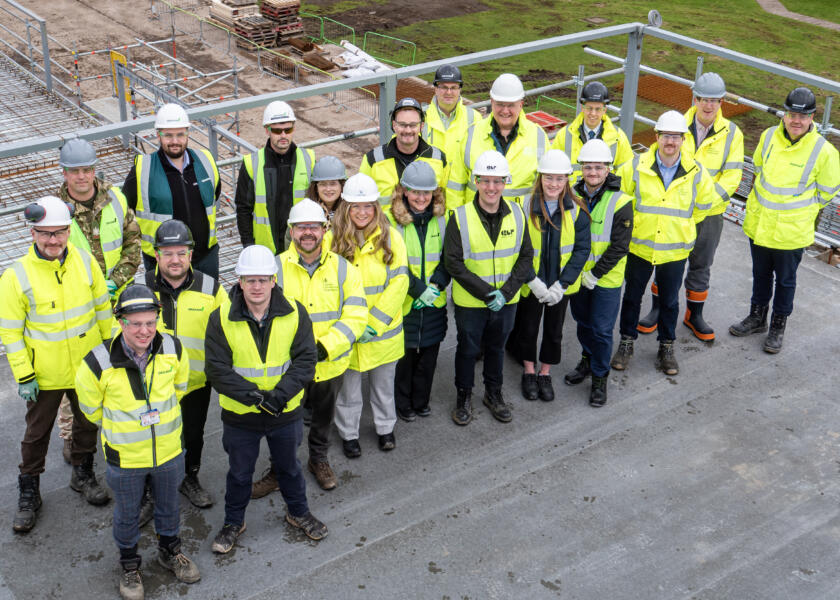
x=259, y=355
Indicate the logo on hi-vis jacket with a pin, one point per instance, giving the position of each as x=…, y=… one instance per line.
x=507, y=231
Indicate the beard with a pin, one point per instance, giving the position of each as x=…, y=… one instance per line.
x=174, y=154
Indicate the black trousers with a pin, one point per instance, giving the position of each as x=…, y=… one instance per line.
x=320, y=397
x=193, y=416
x=414, y=375
x=530, y=312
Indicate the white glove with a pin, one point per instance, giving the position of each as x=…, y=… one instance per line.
x=539, y=289
x=588, y=280
x=555, y=293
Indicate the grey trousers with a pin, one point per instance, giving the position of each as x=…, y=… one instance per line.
x=348, y=405
x=703, y=254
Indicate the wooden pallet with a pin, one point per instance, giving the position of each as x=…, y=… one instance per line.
x=228, y=13
x=238, y=2
x=281, y=4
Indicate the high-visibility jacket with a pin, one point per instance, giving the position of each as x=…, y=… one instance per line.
x=154, y=199
x=665, y=221
x=334, y=297
x=248, y=363
x=111, y=223
x=522, y=155
x=571, y=138
x=385, y=289
x=186, y=316
x=792, y=183
x=721, y=153
x=449, y=139
x=255, y=162
x=51, y=315
x=600, y=227
x=567, y=242
x=383, y=169
x=113, y=394
x=492, y=263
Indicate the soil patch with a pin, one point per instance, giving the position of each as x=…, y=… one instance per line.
x=393, y=14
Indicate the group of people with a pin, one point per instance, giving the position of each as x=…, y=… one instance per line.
x=344, y=276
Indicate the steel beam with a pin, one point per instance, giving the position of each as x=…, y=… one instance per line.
x=631, y=80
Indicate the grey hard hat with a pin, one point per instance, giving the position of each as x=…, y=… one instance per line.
x=419, y=175
x=328, y=168
x=77, y=153
x=709, y=85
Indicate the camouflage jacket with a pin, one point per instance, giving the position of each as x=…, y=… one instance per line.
x=88, y=219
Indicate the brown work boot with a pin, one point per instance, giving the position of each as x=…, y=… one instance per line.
x=621, y=358
x=323, y=474
x=266, y=484
x=665, y=360
x=176, y=561
x=131, y=583
x=308, y=524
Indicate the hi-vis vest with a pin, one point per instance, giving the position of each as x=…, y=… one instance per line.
x=492, y=264
x=601, y=222
x=448, y=139
x=246, y=356
x=111, y=221
x=383, y=170
x=152, y=211
x=567, y=242
x=255, y=163
x=424, y=258
x=792, y=182
x=568, y=140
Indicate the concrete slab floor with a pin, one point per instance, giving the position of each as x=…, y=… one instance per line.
x=721, y=482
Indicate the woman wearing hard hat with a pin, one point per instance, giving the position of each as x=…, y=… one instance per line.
x=327, y=181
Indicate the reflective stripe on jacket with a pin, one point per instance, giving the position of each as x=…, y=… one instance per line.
x=449, y=139
x=600, y=227
x=111, y=222
x=569, y=139
x=423, y=258
x=567, y=241
x=383, y=170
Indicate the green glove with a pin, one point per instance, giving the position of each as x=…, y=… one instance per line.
x=496, y=300
x=28, y=391
x=427, y=298
x=112, y=287
x=368, y=335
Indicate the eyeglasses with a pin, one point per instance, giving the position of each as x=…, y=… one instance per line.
x=282, y=130
x=171, y=254
x=451, y=87
x=256, y=281
x=401, y=125
x=138, y=325
x=48, y=235
x=588, y=108
x=490, y=181
x=308, y=226
x=798, y=116
x=173, y=136
x=673, y=137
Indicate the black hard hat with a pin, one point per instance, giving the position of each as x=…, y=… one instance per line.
x=408, y=103
x=801, y=100
x=136, y=298
x=173, y=233
x=448, y=74
x=595, y=91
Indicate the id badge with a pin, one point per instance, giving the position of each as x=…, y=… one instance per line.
x=150, y=417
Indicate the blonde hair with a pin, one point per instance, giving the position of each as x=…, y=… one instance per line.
x=345, y=241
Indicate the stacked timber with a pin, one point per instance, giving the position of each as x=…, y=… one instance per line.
x=286, y=14
x=244, y=19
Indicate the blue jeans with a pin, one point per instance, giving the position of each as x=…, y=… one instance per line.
x=595, y=312
x=243, y=447
x=768, y=262
x=477, y=328
x=669, y=279
x=127, y=485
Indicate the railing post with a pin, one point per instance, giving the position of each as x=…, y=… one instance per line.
x=212, y=139
x=387, y=99
x=631, y=80
x=118, y=71
x=826, y=120
x=579, y=89
x=699, y=71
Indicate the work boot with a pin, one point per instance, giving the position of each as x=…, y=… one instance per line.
x=494, y=401
x=323, y=474
x=598, y=393
x=648, y=323
x=191, y=488
x=462, y=415
x=176, y=561
x=266, y=484
x=83, y=480
x=755, y=322
x=665, y=360
x=545, y=389
x=529, y=386
x=621, y=358
x=308, y=524
x=147, y=506
x=226, y=538
x=351, y=448
x=29, y=503
x=387, y=442
x=773, y=343
x=67, y=451
x=694, y=316
x=579, y=373
x=131, y=584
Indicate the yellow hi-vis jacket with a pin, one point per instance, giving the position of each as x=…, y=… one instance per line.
x=449, y=138
x=334, y=297
x=570, y=139
x=185, y=317
x=522, y=155
x=792, y=183
x=721, y=153
x=113, y=394
x=567, y=242
x=600, y=229
x=385, y=289
x=111, y=223
x=665, y=221
x=383, y=168
x=51, y=315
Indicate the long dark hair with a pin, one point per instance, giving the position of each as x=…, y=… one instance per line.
x=537, y=196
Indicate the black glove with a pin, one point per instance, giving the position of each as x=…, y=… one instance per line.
x=255, y=397
x=272, y=402
x=322, y=352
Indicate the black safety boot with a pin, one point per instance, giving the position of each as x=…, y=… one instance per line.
x=621, y=358
x=529, y=386
x=462, y=415
x=545, y=389
x=192, y=489
x=649, y=322
x=773, y=343
x=579, y=373
x=83, y=480
x=29, y=503
x=755, y=322
x=694, y=316
x=665, y=360
x=494, y=401
x=598, y=393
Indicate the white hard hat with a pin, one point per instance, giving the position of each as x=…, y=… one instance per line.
x=256, y=260
x=555, y=162
x=171, y=116
x=491, y=163
x=507, y=88
x=360, y=188
x=671, y=121
x=48, y=211
x=595, y=151
x=278, y=112
x=307, y=211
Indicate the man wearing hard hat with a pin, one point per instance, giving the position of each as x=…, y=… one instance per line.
x=176, y=182
x=54, y=309
x=271, y=180
x=506, y=130
x=259, y=356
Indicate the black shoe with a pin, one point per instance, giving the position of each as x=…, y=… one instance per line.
x=191, y=488
x=665, y=360
x=755, y=322
x=650, y=321
x=29, y=503
x=494, y=401
x=773, y=343
x=621, y=358
x=351, y=448
x=423, y=412
x=308, y=524
x=529, y=386
x=83, y=480
x=406, y=414
x=598, y=393
x=462, y=415
x=387, y=442
x=545, y=390
x=579, y=373
x=226, y=538
x=147, y=506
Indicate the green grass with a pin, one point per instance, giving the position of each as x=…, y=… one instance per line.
x=822, y=9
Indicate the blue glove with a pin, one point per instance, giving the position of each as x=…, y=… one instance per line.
x=427, y=298
x=29, y=391
x=112, y=287
x=368, y=335
x=496, y=300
